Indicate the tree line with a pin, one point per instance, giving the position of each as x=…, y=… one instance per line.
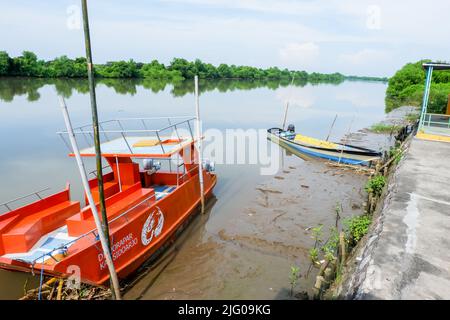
x=28, y=65
x=407, y=87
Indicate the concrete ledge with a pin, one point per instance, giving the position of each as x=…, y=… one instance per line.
x=407, y=254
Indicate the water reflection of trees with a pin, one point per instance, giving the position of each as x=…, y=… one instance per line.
x=12, y=87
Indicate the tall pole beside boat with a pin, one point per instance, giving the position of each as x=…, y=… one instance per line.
x=285, y=115
x=287, y=106
x=199, y=143
x=91, y=80
x=331, y=128
x=115, y=288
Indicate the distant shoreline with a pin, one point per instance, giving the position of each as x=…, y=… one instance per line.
x=28, y=65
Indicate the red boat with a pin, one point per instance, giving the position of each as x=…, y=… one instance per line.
x=145, y=206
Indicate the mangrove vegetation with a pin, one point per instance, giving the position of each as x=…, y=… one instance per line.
x=407, y=86
x=28, y=65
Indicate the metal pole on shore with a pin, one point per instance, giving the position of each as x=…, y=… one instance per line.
x=199, y=144
x=98, y=158
x=115, y=288
x=426, y=96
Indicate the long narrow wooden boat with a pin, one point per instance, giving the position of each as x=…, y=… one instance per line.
x=145, y=207
x=304, y=145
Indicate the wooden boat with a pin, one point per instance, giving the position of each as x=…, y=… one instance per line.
x=303, y=145
x=145, y=207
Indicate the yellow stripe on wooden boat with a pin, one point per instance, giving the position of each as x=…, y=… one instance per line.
x=315, y=142
x=146, y=143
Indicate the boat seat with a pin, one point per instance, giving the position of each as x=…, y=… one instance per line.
x=84, y=221
x=163, y=190
x=22, y=233
x=110, y=188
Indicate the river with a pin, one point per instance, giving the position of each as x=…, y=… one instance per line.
x=255, y=228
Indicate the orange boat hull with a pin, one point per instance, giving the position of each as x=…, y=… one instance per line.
x=134, y=237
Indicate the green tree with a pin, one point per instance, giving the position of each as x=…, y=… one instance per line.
x=118, y=69
x=4, y=63
x=27, y=65
x=224, y=71
x=407, y=86
x=63, y=67
x=186, y=68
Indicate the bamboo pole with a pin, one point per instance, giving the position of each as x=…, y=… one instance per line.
x=343, y=248
x=199, y=145
x=331, y=128
x=60, y=286
x=346, y=139
x=98, y=158
x=92, y=94
x=115, y=288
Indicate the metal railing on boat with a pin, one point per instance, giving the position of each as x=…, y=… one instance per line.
x=174, y=123
x=7, y=204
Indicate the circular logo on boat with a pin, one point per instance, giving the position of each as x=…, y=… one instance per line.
x=152, y=226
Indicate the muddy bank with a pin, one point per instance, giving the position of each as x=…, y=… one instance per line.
x=249, y=255
x=359, y=266
x=381, y=141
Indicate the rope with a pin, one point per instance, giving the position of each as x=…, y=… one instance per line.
x=41, y=280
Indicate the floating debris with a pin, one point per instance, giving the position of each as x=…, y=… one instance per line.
x=63, y=289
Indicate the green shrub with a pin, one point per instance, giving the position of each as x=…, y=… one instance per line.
x=357, y=227
x=376, y=185
x=396, y=153
x=412, y=117
x=406, y=87
x=293, y=277
x=384, y=128
x=314, y=255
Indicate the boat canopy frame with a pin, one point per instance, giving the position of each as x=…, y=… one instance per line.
x=123, y=143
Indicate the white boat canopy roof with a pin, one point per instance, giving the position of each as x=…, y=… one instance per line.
x=137, y=142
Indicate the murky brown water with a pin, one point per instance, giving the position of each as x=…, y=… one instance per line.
x=248, y=254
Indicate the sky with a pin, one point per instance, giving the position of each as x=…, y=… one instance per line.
x=354, y=37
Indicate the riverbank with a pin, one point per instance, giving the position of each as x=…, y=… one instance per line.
x=406, y=253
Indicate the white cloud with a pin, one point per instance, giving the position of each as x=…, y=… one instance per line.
x=364, y=57
x=299, y=55
x=290, y=7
